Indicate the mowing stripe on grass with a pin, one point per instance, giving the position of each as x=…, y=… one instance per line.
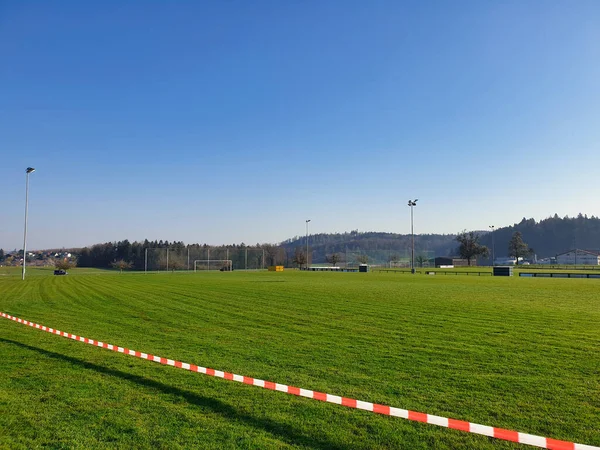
x=498, y=433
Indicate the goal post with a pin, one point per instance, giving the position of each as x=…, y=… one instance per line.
x=224, y=265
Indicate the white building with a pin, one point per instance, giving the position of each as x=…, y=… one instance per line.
x=506, y=261
x=579, y=257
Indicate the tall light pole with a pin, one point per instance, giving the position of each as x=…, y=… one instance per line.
x=27, y=172
x=412, y=203
x=493, y=246
x=307, y=220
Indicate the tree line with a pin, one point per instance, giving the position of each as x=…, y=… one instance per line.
x=175, y=255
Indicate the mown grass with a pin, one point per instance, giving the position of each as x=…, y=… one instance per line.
x=515, y=353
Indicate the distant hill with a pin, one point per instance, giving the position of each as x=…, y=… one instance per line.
x=547, y=238
x=379, y=246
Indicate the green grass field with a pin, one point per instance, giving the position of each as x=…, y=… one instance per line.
x=521, y=354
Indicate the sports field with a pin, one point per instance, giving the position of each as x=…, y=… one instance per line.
x=517, y=353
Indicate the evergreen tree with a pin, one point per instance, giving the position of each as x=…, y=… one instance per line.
x=518, y=248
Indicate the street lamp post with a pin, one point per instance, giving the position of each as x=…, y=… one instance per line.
x=412, y=203
x=493, y=246
x=307, y=220
x=27, y=172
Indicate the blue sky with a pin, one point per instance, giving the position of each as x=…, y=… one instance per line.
x=224, y=122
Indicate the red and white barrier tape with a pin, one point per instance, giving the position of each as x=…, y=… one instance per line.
x=498, y=433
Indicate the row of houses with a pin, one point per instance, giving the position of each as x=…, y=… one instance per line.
x=34, y=258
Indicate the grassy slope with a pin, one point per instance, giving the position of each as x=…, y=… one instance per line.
x=509, y=352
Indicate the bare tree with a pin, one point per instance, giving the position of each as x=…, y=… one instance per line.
x=65, y=264
x=469, y=246
x=273, y=254
x=299, y=257
x=121, y=265
x=333, y=259
x=421, y=260
x=393, y=259
x=363, y=259
x=176, y=264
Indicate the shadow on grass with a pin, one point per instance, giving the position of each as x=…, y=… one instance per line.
x=286, y=432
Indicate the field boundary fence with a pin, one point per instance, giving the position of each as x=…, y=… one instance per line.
x=171, y=259
x=559, y=275
x=386, y=258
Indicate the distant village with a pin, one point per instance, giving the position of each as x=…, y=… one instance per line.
x=36, y=258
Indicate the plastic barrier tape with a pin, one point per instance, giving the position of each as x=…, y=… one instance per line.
x=498, y=433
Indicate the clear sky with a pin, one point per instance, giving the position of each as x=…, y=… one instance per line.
x=223, y=122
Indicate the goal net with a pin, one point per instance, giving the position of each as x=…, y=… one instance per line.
x=224, y=265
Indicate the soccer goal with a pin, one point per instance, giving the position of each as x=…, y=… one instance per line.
x=224, y=265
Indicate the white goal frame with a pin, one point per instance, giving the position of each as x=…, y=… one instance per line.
x=218, y=263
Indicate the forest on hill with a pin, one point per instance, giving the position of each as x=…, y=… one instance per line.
x=549, y=237
x=380, y=247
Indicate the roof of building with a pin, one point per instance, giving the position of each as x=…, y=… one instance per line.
x=578, y=250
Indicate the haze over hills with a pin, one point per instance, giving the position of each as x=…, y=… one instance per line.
x=547, y=238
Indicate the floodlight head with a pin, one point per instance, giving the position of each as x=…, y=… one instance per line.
x=307, y=220
x=30, y=169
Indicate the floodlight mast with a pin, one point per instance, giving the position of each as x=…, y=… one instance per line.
x=307, y=220
x=493, y=246
x=27, y=172
x=412, y=203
